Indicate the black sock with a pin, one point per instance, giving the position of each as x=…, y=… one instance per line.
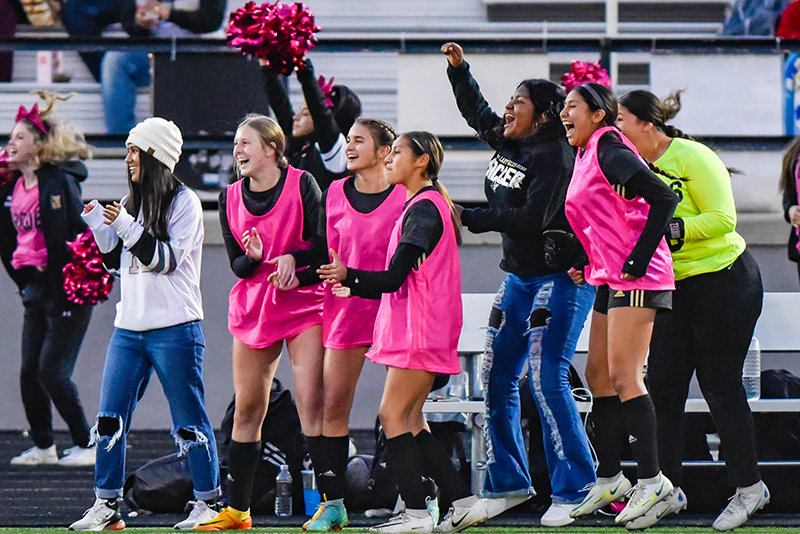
x=639, y=416
x=316, y=450
x=436, y=464
x=335, y=450
x=609, y=431
x=403, y=461
x=242, y=464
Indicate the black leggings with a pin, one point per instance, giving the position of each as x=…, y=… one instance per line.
x=51, y=341
x=708, y=332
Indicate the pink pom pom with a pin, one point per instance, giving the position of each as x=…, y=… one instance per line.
x=86, y=281
x=7, y=174
x=585, y=72
x=279, y=34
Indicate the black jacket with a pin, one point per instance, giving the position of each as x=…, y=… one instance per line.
x=525, y=184
x=60, y=207
x=302, y=152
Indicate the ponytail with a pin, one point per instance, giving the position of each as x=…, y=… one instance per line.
x=457, y=227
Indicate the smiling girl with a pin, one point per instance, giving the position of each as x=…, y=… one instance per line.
x=619, y=210
x=39, y=213
x=356, y=212
x=272, y=210
x=538, y=313
x=153, y=238
x=418, y=322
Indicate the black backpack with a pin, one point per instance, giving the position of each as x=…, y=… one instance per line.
x=281, y=443
x=165, y=485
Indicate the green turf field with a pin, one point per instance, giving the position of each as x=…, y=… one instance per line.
x=474, y=530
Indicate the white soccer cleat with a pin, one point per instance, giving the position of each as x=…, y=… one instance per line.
x=741, y=508
x=673, y=504
x=464, y=513
x=644, y=497
x=604, y=492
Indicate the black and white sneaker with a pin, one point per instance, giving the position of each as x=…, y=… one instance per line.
x=463, y=514
x=103, y=515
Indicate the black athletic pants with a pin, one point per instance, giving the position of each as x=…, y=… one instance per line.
x=707, y=332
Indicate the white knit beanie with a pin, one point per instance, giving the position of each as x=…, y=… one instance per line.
x=158, y=137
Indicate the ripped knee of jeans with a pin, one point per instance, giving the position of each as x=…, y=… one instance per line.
x=188, y=438
x=107, y=430
x=539, y=317
x=496, y=318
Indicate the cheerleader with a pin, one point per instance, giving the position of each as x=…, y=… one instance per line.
x=39, y=213
x=316, y=142
x=418, y=322
x=271, y=210
x=715, y=306
x=157, y=253
x=356, y=212
x=619, y=210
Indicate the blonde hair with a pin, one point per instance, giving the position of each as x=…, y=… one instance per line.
x=422, y=143
x=270, y=134
x=63, y=141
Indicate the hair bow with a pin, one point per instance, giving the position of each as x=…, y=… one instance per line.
x=31, y=116
x=327, y=89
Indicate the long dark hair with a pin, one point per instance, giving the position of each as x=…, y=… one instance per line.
x=790, y=163
x=381, y=131
x=648, y=107
x=152, y=194
x=422, y=143
x=548, y=101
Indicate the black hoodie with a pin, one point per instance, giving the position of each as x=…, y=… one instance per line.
x=60, y=207
x=525, y=183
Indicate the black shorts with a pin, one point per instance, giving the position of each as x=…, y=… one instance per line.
x=637, y=298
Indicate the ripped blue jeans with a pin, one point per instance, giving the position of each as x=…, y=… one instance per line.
x=176, y=354
x=535, y=320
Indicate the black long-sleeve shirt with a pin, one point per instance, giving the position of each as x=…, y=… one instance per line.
x=622, y=168
x=259, y=203
x=421, y=231
x=306, y=152
x=524, y=184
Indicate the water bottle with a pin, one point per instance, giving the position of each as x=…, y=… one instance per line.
x=751, y=371
x=283, y=492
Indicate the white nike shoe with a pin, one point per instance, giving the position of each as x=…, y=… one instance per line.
x=604, y=492
x=673, y=504
x=497, y=505
x=558, y=515
x=644, y=497
x=741, y=508
x=464, y=513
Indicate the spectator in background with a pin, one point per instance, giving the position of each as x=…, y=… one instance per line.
x=10, y=14
x=752, y=17
x=790, y=174
x=123, y=72
x=789, y=22
x=88, y=18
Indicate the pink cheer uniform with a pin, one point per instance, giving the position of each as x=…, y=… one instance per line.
x=260, y=315
x=361, y=240
x=608, y=225
x=31, y=249
x=418, y=325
